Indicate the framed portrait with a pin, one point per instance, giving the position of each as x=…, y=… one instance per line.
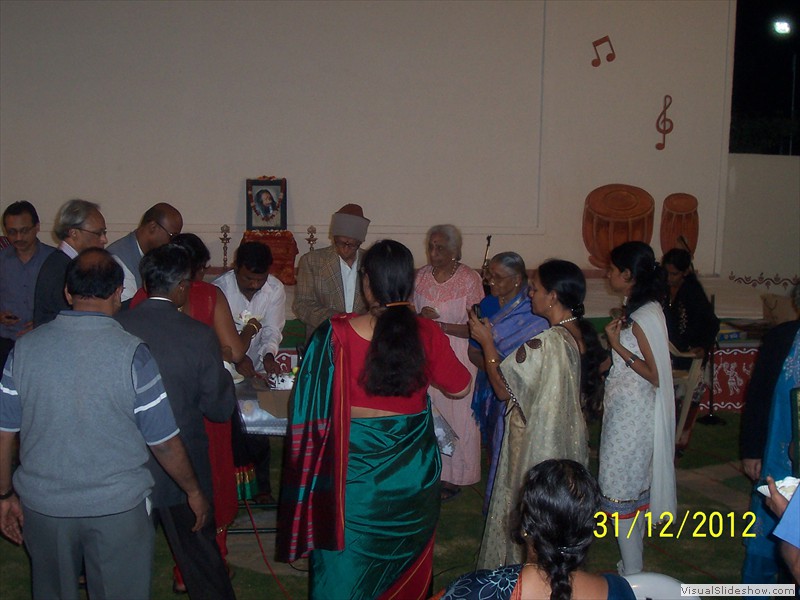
x=266, y=203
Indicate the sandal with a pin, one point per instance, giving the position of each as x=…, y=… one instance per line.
x=448, y=493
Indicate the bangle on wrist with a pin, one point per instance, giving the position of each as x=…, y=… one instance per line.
x=492, y=361
x=8, y=494
x=630, y=361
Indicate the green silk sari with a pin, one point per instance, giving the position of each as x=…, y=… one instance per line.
x=361, y=496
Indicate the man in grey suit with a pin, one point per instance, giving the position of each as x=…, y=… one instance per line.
x=160, y=223
x=327, y=279
x=190, y=361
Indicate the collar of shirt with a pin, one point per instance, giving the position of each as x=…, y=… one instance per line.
x=67, y=249
x=349, y=283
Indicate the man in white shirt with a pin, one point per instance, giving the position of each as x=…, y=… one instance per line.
x=258, y=305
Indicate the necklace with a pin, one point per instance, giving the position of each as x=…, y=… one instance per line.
x=452, y=271
x=562, y=321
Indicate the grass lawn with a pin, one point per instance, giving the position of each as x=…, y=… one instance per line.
x=690, y=559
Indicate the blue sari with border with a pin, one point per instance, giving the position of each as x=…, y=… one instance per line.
x=512, y=325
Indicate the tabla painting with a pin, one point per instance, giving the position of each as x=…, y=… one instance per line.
x=266, y=203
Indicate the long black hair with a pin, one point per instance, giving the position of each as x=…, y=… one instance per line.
x=555, y=517
x=395, y=363
x=198, y=251
x=568, y=282
x=650, y=282
x=681, y=260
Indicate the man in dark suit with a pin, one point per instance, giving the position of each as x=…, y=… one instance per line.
x=197, y=384
x=79, y=225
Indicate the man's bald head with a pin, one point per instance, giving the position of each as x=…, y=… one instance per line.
x=160, y=223
x=93, y=274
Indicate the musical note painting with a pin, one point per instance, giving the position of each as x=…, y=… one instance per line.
x=664, y=124
x=611, y=54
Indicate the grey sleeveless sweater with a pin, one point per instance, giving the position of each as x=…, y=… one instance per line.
x=81, y=451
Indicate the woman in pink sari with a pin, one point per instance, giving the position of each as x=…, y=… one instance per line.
x=444, y=291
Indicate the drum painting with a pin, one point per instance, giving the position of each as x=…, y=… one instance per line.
x=615, y=214
x=679, y=220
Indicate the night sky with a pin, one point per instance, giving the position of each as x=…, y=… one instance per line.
x=762, y=76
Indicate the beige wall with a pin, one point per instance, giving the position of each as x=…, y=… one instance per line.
x=762, y=218
x=485, y=114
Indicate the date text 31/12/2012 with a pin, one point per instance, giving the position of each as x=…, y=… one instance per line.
x=696, y=524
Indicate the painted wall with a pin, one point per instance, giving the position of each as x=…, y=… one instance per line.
x=489, y=115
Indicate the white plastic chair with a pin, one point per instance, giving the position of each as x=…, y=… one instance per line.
x=656, y=586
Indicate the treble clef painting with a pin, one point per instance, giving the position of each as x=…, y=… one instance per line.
x=663, y=123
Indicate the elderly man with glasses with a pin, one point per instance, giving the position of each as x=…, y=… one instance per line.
x=79, y=225
x=327, y=279
x=160, y=223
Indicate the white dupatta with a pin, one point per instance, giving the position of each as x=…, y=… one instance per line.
x=663, y=498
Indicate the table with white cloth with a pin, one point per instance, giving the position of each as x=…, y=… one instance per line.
x=256, y=419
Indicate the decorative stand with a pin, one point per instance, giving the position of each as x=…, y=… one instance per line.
x=711, y=418
x=311, y=239
x=225, y=239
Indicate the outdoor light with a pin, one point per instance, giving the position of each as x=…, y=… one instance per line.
x=782, y=27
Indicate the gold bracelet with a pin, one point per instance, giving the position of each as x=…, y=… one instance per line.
x=492, y=361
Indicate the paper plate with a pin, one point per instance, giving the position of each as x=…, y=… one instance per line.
x=785, y=486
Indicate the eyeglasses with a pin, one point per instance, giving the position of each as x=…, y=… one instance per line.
x=495, y=277
x=20, y=231
x=99, y=233
x=348, y=245
x=169, y=233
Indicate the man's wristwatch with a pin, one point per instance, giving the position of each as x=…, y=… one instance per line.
x=8, y=494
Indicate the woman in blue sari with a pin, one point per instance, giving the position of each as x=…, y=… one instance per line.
x=508, y=309
x=761, y=564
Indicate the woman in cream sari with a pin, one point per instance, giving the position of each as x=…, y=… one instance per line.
x=541, y=384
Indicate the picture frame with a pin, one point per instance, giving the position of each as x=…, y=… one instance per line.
x=265, y=202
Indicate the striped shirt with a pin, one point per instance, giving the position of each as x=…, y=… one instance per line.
x=153, y=413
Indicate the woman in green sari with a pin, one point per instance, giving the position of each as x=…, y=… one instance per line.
x=360, y=489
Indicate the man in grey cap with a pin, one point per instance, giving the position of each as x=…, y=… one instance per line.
x=327, y=279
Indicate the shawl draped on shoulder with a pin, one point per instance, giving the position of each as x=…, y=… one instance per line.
x=663, y=498
x=311, y=507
